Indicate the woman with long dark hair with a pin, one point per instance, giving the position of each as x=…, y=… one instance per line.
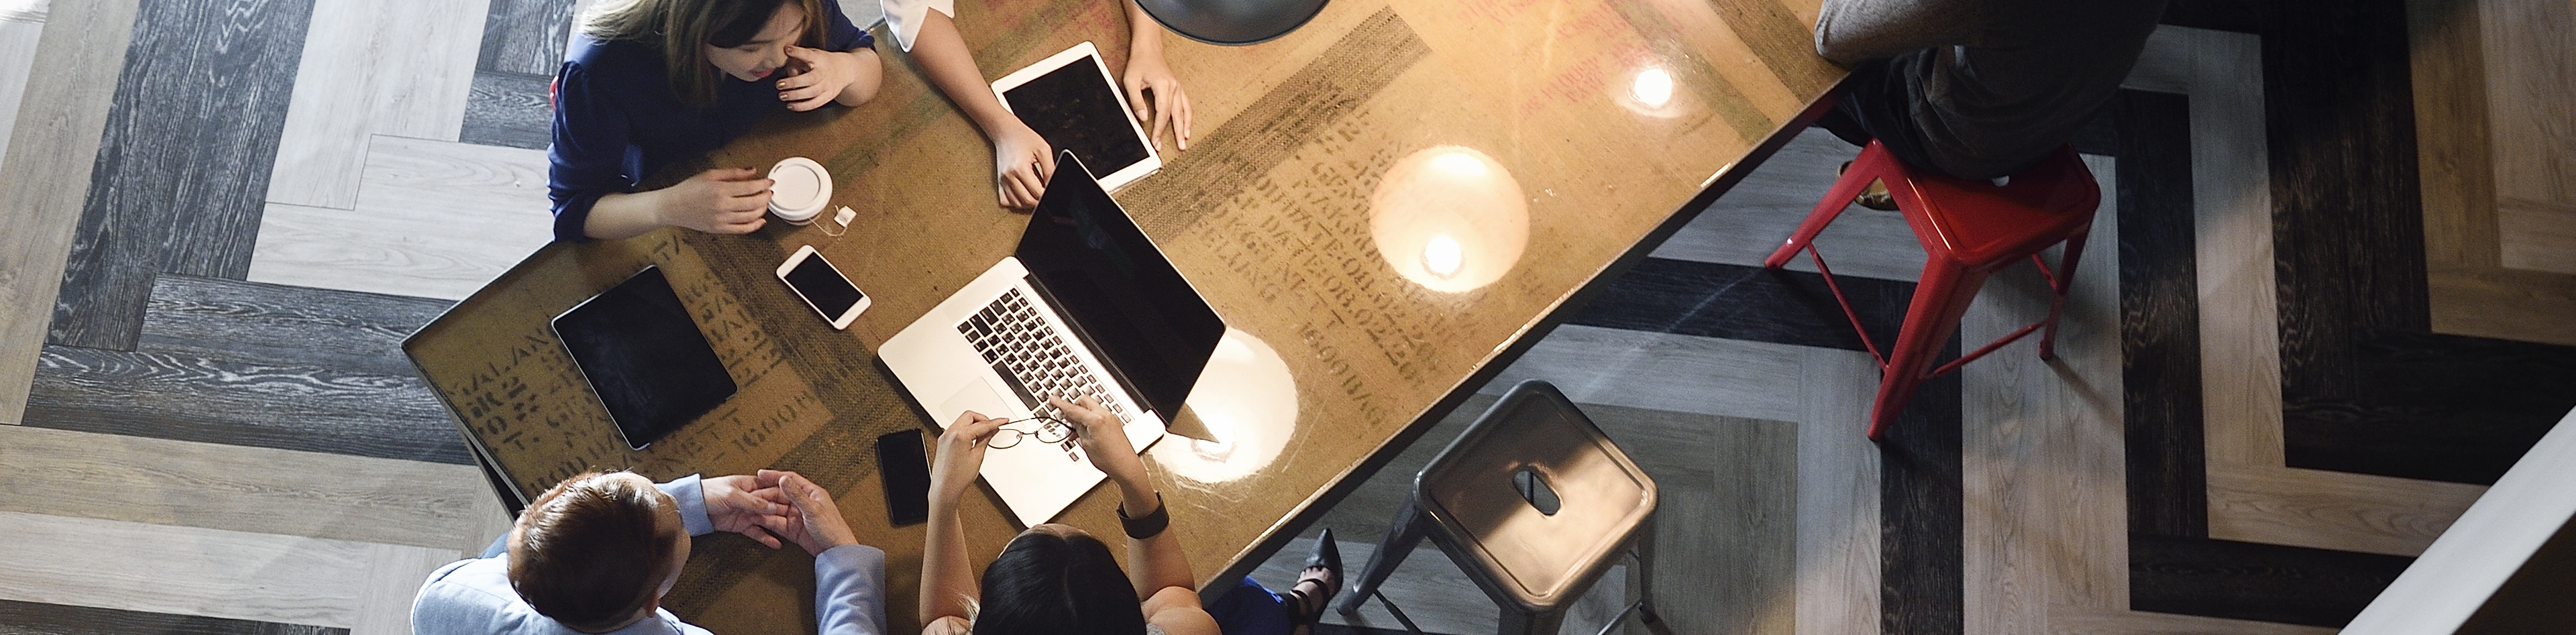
x=649, y=83
x=1058, y=579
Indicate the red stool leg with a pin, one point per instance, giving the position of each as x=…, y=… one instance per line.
x=1939, y=299
x=1864, y=169
x=2065, y=280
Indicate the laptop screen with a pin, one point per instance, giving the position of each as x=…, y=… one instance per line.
x=1118, y=290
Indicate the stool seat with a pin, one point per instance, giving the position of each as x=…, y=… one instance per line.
x=1533, y=503
x=1986, y=226
x=1969, y=229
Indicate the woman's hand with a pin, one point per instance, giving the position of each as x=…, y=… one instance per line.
x=825, y=75
x=1169, y=108
x=744, y=505
x=1022, y=163
x=718, y=201
x=961, y=456
x=1103, y=439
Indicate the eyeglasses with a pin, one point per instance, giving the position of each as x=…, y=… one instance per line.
x=1052, y=432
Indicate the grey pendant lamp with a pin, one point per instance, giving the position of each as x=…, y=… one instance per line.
x=1232, y=22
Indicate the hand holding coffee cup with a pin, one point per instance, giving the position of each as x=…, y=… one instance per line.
x=718, y=201
x=799, y=190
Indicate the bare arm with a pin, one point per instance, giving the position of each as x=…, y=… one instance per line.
x=947, y=581
x=1022, y=161
x=718, y=201
x=1155, y=564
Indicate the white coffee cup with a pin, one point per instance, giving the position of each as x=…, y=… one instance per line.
x=799, y=190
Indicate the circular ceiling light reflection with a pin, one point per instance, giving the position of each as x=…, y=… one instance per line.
x=1449, y=218
x=1653, y=88
x=1441, y=256
x=1247, y=400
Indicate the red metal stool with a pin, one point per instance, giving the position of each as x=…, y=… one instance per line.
x=1969, y=229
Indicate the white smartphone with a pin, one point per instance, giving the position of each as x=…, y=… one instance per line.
x=823, y=287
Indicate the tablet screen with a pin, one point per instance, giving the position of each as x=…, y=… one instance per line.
x=644, y=357
x=1076, y=109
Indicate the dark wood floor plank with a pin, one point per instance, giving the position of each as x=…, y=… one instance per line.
x=508, y=109
x=192, y=398
x=182, y=170
x=1747, y=303
x=258, y=323
x=1922, y=506
x=2159, y=315
x=2348, y=227
x=525, y=36
x=32, y=618
x=2438, y=407
x=2243, y=580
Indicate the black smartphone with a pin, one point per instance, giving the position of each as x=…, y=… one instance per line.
x=907, y=477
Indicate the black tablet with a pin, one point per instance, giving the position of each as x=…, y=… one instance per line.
x=644, y=357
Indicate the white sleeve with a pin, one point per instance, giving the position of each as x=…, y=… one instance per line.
x=904, y=17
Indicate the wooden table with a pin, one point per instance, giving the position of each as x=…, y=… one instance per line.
x=1270, y=214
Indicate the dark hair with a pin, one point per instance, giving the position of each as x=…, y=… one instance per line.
x=591, y=552
x=1049, y=583
x=679, y=27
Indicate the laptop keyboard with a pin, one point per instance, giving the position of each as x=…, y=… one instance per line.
x=1032, y=357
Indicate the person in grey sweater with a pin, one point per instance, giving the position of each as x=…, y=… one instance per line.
x=1977, y=89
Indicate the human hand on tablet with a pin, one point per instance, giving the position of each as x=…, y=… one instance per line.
x=1169, y=108
x=718, y=201
x=1022, y=163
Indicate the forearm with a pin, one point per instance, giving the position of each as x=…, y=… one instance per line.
x=624, y=215
x=943, y=56
x=947, y=582
x=1144, y=35
x=871, y=75
x=1156, y=562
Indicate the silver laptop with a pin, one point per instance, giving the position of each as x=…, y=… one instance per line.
x=1085, y=306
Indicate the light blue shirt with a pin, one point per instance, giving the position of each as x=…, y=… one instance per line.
x=474, y=596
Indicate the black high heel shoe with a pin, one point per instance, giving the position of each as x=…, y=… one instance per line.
x=1327, y=556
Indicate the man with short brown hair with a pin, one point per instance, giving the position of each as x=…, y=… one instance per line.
x=596, y=553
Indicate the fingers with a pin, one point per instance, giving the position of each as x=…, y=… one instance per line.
x=1046, y=168
x=768, y=478
x=1162, y=117
x=761, y=535
x=1136, y=100
x=1019, y=189
x=803, y=54
x=1181, y=115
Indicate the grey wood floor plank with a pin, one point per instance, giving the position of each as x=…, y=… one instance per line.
x=62, y=113
x=271, y=324
x=509, y=109
x=182, y=170
x=36, y=618
x=525, y=36
x=291, y=407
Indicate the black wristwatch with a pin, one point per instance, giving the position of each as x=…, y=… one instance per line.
x=1151, y=525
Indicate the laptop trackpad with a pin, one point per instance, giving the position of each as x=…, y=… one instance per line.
x=978, y=396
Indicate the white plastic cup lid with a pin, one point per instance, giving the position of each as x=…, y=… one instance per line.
x=800, y=189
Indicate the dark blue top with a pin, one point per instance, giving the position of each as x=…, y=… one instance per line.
x=618, y=120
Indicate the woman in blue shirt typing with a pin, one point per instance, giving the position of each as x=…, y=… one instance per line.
x=652, y=82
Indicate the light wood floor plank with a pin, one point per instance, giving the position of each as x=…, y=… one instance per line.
x=2046, y=521
x=448, y=508
x=18, y=40
x=398, y=68
x=1658, y=371
x=394, y=575
x=2332, y=510
x=48, y=164
x=435, y=219
x=2529, y=77
x=182, y=570
x=1838, y=495
x=2232, y=202
x=2512, y=304
x=2539, y=235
